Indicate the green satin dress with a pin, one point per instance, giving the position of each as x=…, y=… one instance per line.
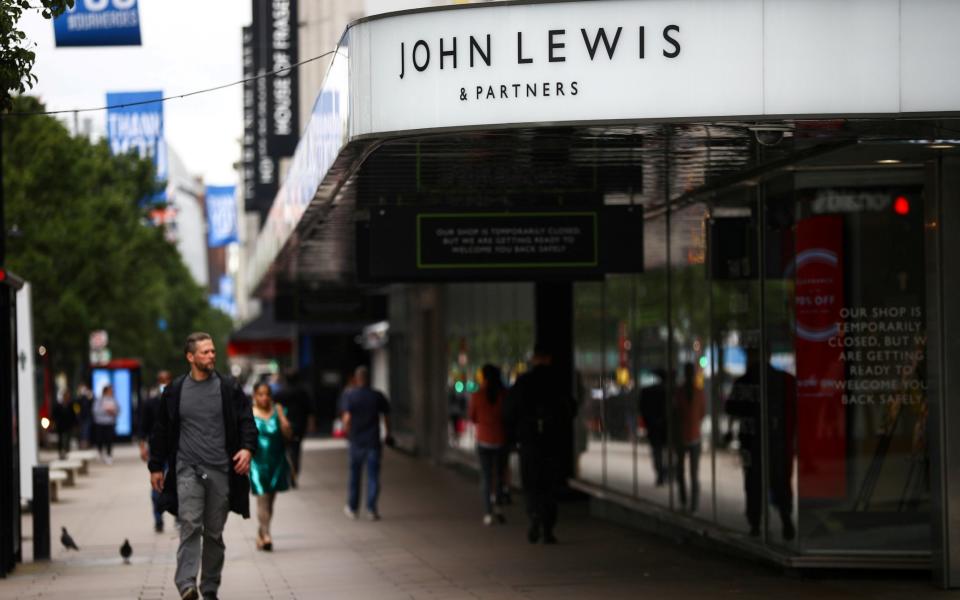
x=269, y=469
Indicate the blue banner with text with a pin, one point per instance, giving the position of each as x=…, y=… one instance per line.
x=99, y=23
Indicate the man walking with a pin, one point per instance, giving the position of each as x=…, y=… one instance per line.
x=362, y=408
x=296, y=400
x=538, y=412
x=148, y=416
x=205, y=433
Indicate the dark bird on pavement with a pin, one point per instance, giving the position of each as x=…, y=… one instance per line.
x=67, y=541
x=125, y=551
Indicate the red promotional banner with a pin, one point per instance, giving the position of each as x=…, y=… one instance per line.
x=821, y=418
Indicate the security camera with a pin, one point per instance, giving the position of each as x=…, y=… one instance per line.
x=770, y=135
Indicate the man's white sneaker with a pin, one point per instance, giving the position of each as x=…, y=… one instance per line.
x=373, y=516
x=488, y=520
x=351, y=514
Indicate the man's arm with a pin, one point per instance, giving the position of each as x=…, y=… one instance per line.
x=146, y=426
x=159, y=450
x=385, y=411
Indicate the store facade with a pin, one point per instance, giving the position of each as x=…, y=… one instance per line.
x=733, y=217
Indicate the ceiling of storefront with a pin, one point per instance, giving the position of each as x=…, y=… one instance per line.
x=581, y=166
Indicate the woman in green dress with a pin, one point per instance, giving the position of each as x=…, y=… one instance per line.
x=269, y=469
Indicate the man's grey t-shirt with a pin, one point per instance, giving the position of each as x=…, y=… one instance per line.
x=202, y=439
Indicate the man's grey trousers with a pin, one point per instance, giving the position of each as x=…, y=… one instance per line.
x=204, y=497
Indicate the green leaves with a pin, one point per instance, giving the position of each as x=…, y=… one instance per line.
x=83, y=246
x=16, y=60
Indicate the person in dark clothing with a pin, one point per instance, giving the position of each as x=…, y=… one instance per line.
x=744, y=404
x=148, y=416
x=65, y=419
x=296, y=400
x=653, y=408
x=204, y=436
x=83, y=408
x=362, y=410
x=539, y=410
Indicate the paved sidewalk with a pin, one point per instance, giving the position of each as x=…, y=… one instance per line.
x=430, y=544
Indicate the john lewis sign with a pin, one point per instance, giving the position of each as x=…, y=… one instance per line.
x=626, y=60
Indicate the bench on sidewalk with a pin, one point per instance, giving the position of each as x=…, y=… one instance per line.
x=70, y=467
x=57, y=478
x=85, y=457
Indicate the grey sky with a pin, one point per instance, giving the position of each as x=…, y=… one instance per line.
x=187, y=45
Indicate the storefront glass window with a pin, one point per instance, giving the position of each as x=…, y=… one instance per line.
x=490, y=323
x=649, y=353
x=732, y=362
x=688, y=403
x=590, y=365
x=863, y=476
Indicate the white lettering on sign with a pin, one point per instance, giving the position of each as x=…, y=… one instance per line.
x=140, y=130
x=282, y=60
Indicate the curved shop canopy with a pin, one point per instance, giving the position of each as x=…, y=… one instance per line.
x=477, y=67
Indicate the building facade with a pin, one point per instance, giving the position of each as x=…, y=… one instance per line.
x=732, y=221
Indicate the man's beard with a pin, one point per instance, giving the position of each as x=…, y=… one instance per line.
x=205, y=368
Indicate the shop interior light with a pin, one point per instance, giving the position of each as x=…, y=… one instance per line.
x=888, y=161
x=941, y=146
x=45, y=423
x=901, y=205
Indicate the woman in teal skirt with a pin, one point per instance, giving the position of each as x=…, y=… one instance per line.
x=269, y=469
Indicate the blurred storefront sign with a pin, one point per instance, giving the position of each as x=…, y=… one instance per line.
x=270, y=104
x=438, y=245
x=99, y=23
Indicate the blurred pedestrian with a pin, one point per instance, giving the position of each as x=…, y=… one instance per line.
x=206, y=435
x=486, y=412
x=689, y=407
x=363, y=408
x=540, y=409
x=65, y=420
x=148, y=416
x=269, y=469
x=456, y=405
x=653, y=408
x=296, y=402
x=105, y=411
x=83, y=408
x=744, y=403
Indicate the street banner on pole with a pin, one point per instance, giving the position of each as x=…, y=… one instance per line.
x=221, y=215
x=137, y=122
x=99, y=23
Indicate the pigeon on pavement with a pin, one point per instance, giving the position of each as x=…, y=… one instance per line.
x=67, y=541
x=125, y=551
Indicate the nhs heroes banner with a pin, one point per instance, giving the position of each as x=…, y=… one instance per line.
x=221, y=215
x=99, y=23
x=137, y=123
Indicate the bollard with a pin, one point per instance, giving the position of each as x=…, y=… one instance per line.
x=41, y=513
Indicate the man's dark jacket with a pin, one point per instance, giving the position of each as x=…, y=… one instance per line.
x=239, y=429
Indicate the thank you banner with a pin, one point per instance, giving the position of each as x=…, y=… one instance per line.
x=99, y=23
x=135, y=121
x=221, y=215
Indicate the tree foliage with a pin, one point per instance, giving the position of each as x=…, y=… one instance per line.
x=16, y=57
x=83, y=243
